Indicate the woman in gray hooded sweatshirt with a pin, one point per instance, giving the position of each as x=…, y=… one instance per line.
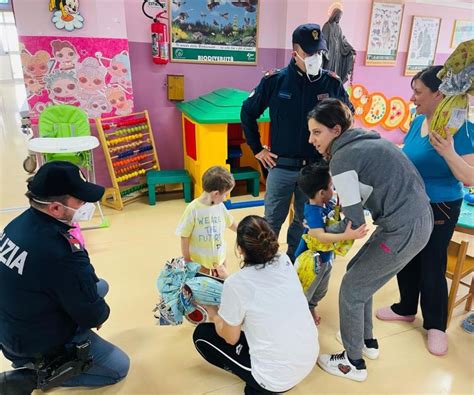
x=372, y=173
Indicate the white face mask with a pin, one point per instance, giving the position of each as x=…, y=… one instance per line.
x=83, y=213
x=312, y=64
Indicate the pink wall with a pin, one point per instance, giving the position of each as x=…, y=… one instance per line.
x=387, y=79
x=103, y=18
x=277, y=19
x=272, y=22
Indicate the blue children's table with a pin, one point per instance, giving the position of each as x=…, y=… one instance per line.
x=466, y=219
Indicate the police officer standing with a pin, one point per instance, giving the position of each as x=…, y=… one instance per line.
x=50, y=296
x=290, y=93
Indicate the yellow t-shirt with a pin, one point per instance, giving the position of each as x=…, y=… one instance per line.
x=205, y=226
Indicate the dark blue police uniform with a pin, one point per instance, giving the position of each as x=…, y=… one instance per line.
x=290, y=95
x=50, y=296
x=47, y=286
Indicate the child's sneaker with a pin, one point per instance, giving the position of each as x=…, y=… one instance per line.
x=339, y=365
x=370, y=349
x=468, y=324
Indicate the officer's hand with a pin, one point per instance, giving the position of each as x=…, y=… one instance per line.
x=266, y=158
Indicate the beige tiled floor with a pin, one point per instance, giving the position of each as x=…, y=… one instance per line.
x=130, y=253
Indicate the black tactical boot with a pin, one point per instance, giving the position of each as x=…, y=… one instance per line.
x=18, y=382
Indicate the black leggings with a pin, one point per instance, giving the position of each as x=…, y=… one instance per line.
x=235, y=359
x=425, y=274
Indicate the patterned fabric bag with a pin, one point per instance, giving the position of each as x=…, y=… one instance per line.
x=183, y=291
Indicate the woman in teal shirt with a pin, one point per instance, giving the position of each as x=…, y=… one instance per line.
x=445, y=164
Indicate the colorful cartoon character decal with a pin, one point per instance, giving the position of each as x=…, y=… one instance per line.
x=62, y=87
x=33, y=86
x=91, y=77
x=35, y=66
x=65, y=54
x=96, y=106
x=119, y=69
x=119, y=101
x=41, y=106
x=66, y=14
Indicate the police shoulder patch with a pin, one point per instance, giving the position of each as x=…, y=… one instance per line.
x=74, y=244
x=271, y=73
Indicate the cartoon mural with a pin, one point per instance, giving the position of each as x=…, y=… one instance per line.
x=86, y=72
x=66, y=14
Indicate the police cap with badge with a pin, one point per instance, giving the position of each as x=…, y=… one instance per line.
x=60, y=178
x=310, y=38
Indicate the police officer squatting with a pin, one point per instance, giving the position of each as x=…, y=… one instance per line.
x=51, y=300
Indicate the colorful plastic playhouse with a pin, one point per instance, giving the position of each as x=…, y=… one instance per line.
x=212, y=135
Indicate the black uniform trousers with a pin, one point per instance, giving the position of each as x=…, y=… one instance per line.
x=425, y=274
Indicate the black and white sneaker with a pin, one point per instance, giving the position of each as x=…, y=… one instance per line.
x=339, y=365
x=370, y=349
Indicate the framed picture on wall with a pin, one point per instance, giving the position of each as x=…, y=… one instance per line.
x=423, y=42
x=214, y=31
x=384, y=33
x=462, y=31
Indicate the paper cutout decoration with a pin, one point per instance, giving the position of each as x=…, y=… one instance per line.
x=397, y=114
x=378, y=110
x=375, y=109
x=66, y=14
x=359, y=96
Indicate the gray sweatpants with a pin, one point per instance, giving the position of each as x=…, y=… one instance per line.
x=379, y=259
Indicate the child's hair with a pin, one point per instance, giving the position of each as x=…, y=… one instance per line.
x=331, y=112
x=258, y=242
x=313, y=178
x=429, y=78
x=217, y=178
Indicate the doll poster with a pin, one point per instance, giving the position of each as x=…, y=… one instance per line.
x=90, y=73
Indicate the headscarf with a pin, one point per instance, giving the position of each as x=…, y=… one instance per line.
x=457, y=82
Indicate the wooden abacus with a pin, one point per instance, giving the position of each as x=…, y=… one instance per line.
x=130, y=152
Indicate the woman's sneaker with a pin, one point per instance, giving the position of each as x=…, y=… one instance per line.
x=370, y=349
x=339, y=365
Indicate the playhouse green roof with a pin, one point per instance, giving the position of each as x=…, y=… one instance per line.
x=220, y=106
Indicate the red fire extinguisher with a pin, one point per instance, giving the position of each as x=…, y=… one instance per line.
x=159, y=40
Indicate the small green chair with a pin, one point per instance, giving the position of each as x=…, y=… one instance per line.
x=162, y=177
x=249, y=174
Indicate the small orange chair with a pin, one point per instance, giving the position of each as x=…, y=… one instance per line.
x=459, y=266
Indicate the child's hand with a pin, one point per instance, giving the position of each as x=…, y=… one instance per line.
x=221, y=271
x=354, y=234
